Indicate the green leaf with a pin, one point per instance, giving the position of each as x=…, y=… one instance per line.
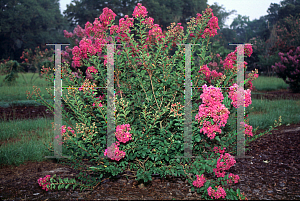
x=197, y=138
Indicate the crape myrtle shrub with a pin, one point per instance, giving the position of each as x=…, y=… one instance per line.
x=151, y=123
x=289, y=68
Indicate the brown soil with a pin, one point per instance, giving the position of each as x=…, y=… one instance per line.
x=273, y=172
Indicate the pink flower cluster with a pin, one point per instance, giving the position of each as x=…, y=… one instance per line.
x=100, y=104
x=113, y=151
x=248, y=129
x=140, y=10
x=78, y=31
x=67, y=34
x=233, y=177
x=63, y=131
x=92, y=69
x=99, y=98
x=199, y=182
x=107, y=16
x=155, y=31
x=212, y=27
x=122, y=28
x=121, y=135
x=93, y=34
x=230, y=60
x=221, y=151
x=81, y=52
x=212, y=107
x=248, y=49
x=216, y=194
x=233, y=96
x=209, y=74
x=92, y=37
x=228, y=64
x=289, y=67
x=228, y=162
x=44, y=182
x=96, y=33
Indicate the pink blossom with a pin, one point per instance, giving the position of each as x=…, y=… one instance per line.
x=216, y=194
x=92, y=69
x=44, y=182
x=233, y=177
x=199, y=182
x=228, y=161
x=121, y=133
x=233, y=96
x=248, y=129
x=63, y=129
x=221, y=151
x=114, y=153
x=212, y=107
x=140, y=10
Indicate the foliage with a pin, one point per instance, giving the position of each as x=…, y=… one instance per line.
x=11, y=69
x=29, y=23
x=268, y=35
x=155, y=119
x=32, y=61
x=289, y=68
x=288, y=34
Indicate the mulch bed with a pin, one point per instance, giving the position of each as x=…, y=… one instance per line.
x=272, y=172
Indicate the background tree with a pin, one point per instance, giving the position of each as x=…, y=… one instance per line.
x=272, y=11
x=289, y=7
x=27, y=24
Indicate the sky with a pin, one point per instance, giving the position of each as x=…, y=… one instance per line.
x=252, y=8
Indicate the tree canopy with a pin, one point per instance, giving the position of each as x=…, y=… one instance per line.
x=27, y=24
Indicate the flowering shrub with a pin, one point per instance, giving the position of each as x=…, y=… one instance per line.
x=289, y=68
x=151, y=132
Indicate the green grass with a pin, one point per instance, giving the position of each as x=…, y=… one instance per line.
x=21, y=85
x=27, y=140
x=265, y=83
x=265, y=112
x=27, y=136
